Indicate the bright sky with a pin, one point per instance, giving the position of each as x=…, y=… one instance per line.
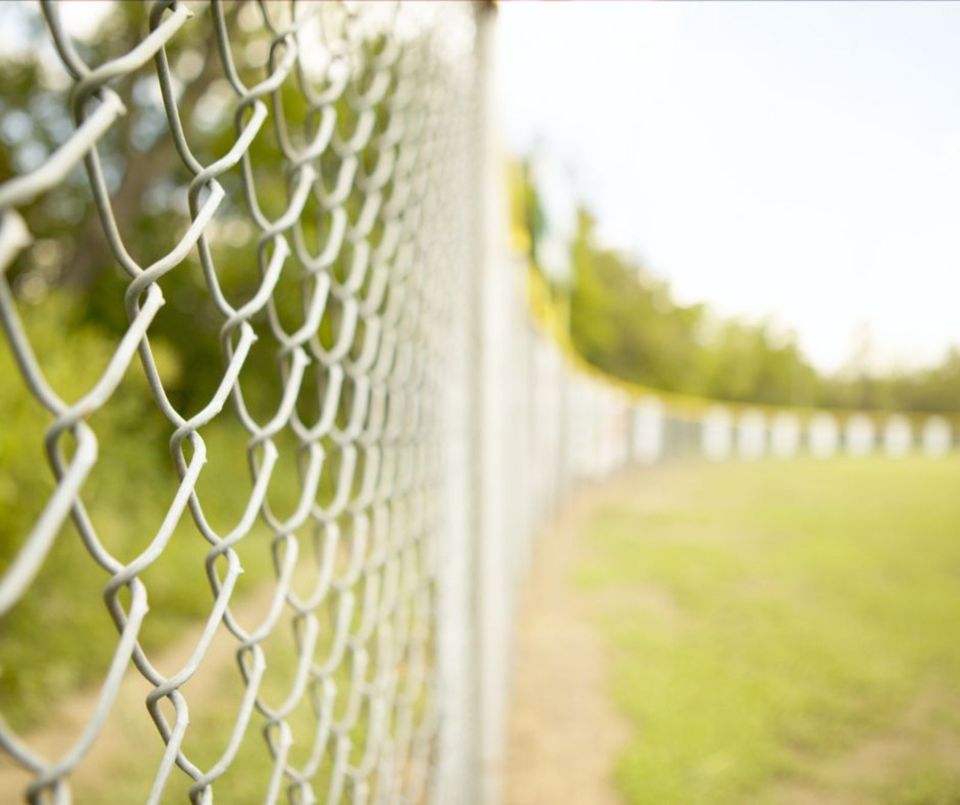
x=793, y=160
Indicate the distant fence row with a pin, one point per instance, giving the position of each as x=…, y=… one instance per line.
x=609, y=423
x=619, y=429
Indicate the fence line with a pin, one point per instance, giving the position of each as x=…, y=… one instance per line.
x=313, y=159
x=323, y=179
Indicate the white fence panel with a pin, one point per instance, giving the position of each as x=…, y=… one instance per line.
x=897, y=436
x=648, y=426
x=824, y=435
x=937, y=436
x=784, y=434
x=860, y=435
x=751, y=435
x=717, y=434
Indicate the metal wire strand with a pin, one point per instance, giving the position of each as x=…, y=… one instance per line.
x=386, y=118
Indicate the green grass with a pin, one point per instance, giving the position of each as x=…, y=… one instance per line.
x=783, y=627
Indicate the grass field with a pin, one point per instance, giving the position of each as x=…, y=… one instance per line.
x=784, y=633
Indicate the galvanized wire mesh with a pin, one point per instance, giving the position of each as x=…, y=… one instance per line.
x=304, y=199
x=356, y=120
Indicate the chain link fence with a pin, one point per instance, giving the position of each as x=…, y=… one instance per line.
x=346, y=425
x=308, y=165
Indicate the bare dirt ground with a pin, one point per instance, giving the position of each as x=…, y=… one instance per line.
x=564, y=735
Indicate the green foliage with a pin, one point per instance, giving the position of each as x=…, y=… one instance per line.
x=772, y=626
x=59, y=635
x=625, y=321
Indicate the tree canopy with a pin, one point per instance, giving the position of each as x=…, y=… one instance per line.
x=625, y=321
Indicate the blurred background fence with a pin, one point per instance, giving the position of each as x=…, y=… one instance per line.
x=302, y=406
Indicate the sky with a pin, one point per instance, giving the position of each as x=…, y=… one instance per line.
x=792, y=162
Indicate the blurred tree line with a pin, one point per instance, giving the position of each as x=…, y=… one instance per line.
x=625, y=321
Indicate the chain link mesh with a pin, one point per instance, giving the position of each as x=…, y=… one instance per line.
x=286, y=218
x=319, y=167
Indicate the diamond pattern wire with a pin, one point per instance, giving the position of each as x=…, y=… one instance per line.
x=370, y=237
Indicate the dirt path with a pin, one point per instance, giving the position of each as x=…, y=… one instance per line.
x=564, y=734
x=128, y=724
